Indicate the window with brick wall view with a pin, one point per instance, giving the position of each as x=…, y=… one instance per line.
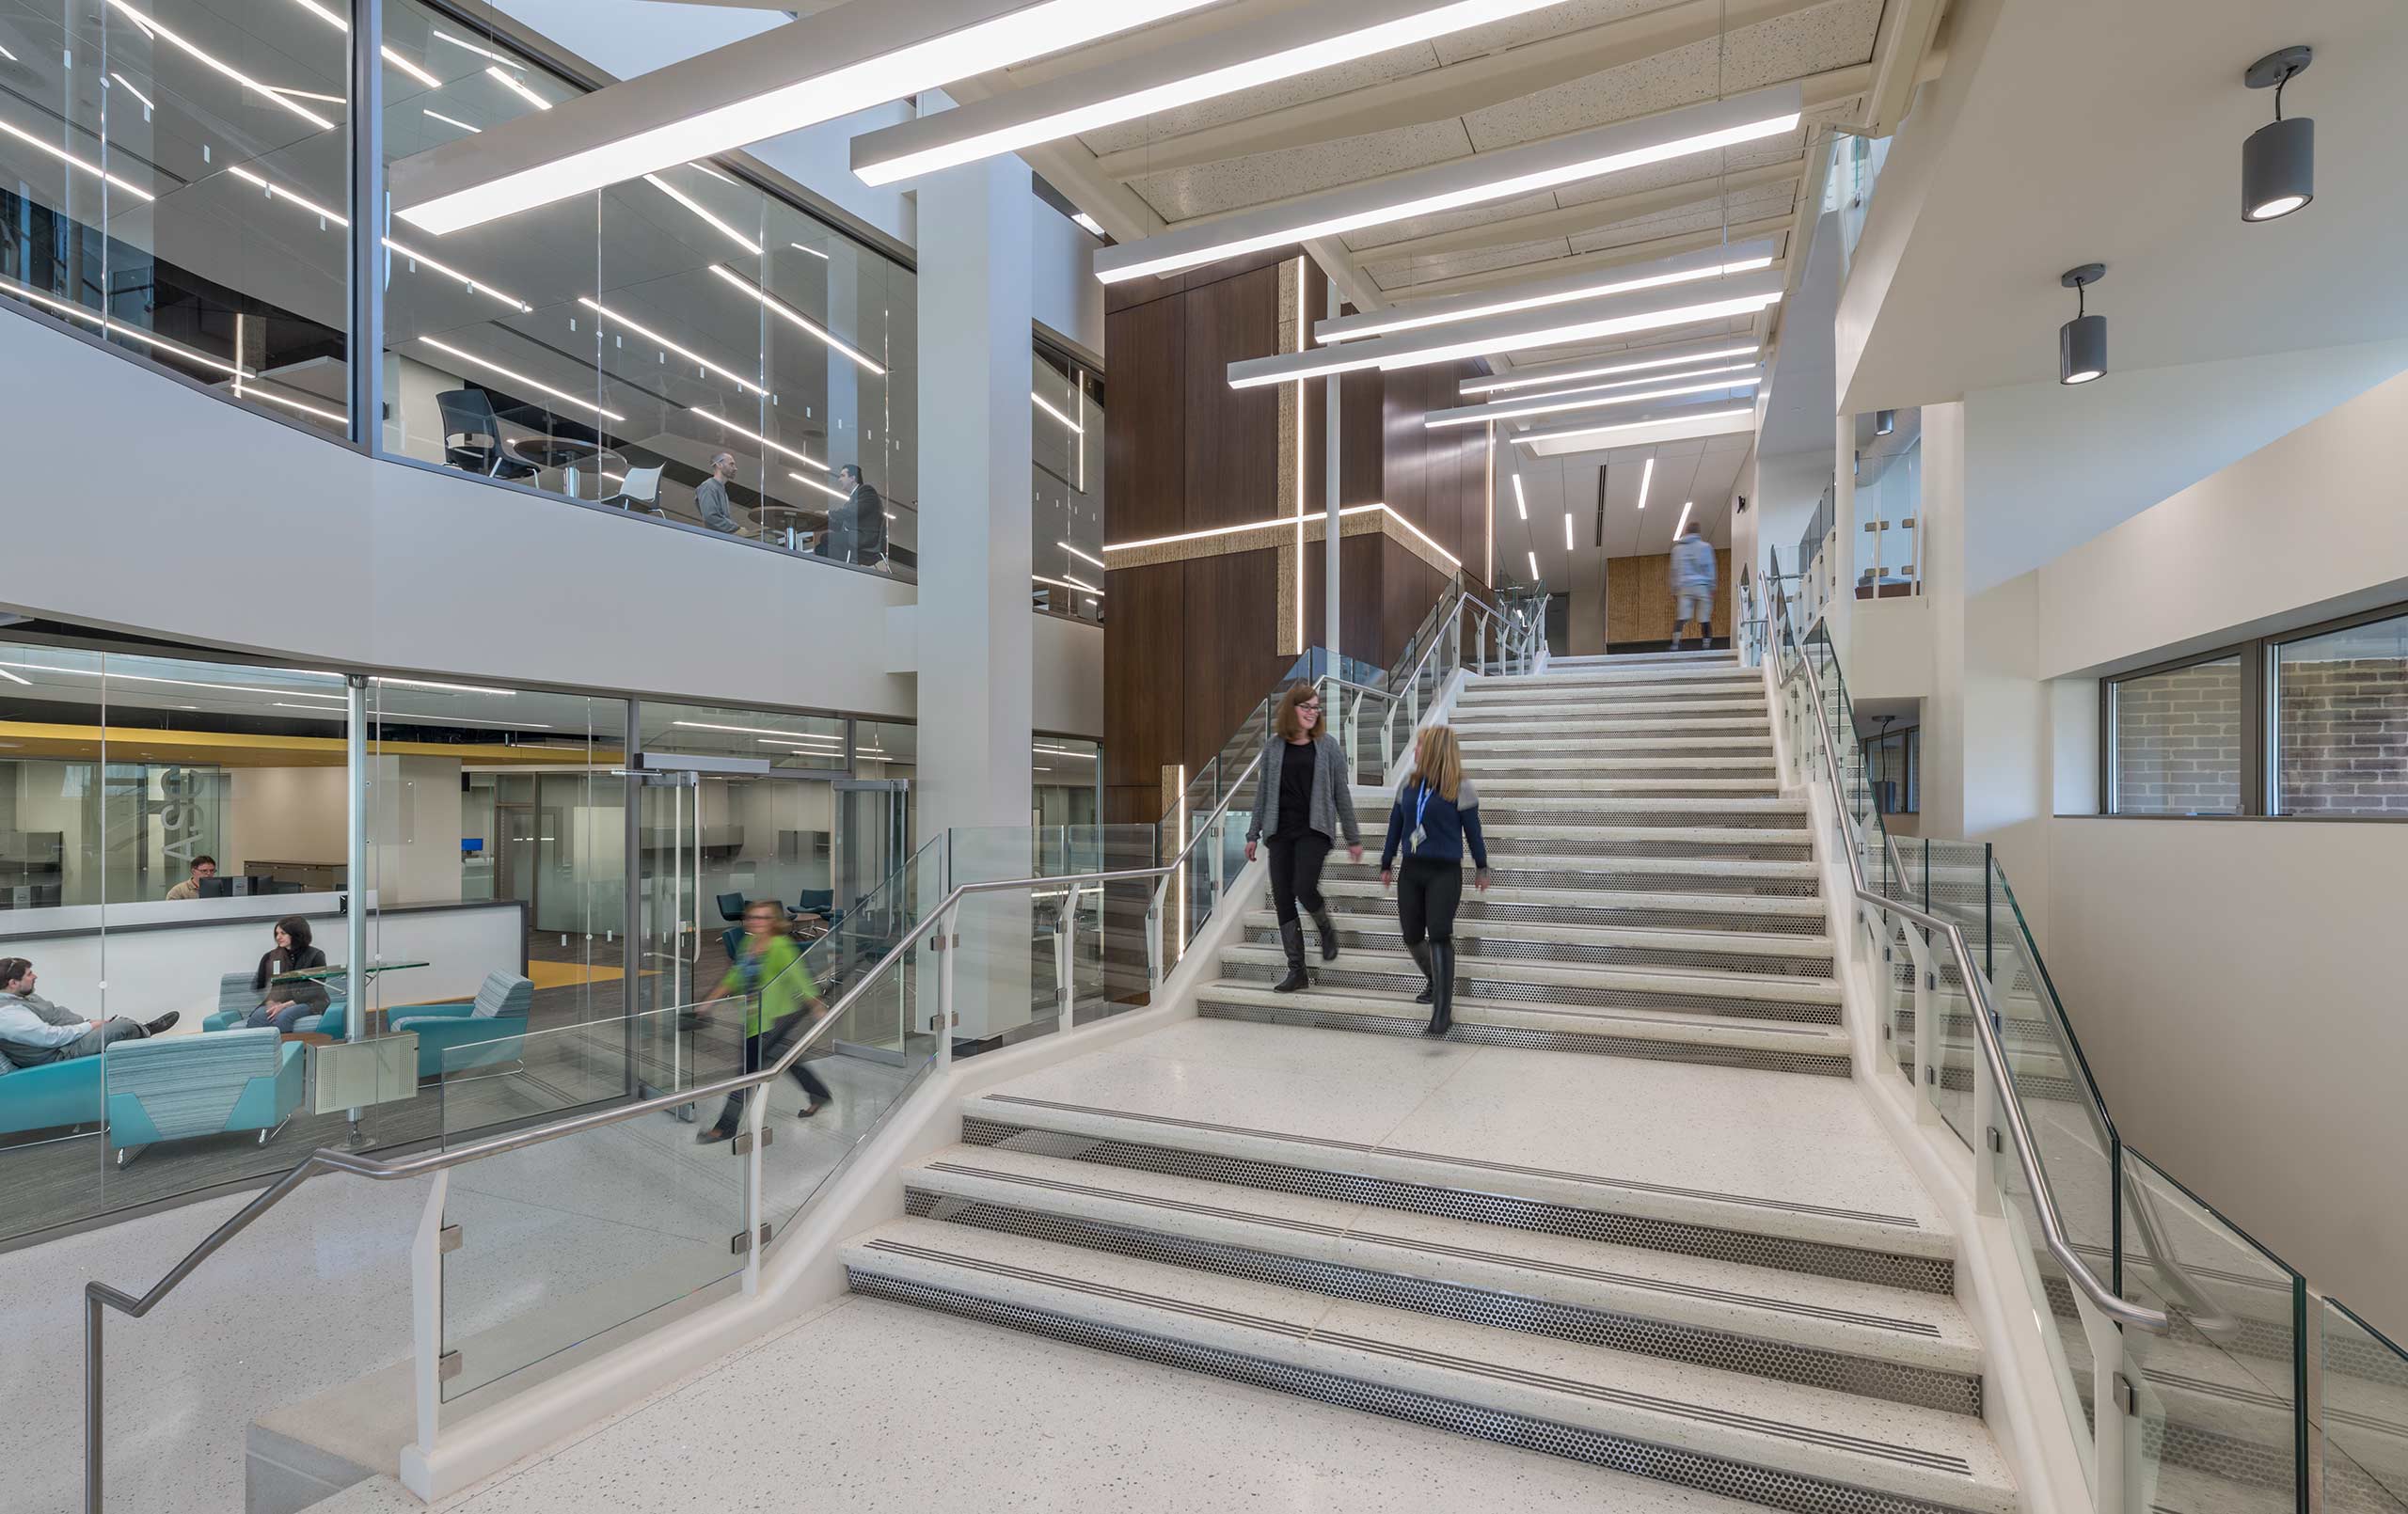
x=2341, y=721
x=2179, y=740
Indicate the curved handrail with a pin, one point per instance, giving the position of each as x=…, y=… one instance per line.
x=2018, y=1131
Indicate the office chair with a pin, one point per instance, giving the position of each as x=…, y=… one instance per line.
x=468, y=414
x=640, y=490
x=731, y=908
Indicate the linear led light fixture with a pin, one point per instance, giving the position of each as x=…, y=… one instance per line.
x=1612, y=315
x=276, y=191
x=341, y=24
x=1067, y=583
x=724, y=424
x=1083, y=556
x=180, y=683
x=704, y=216
x=1534, y=567
x=448, y=120
x=1478, y=414
x=1567, y=528
x=118, y=328
x=73, y=162
x=1087, y=223
x=517, y=86
x=562, y=395
x=255, y=392
x=778, y=306
x=1496, y=409
x=1681, y=525
x=1641, y=360
x=307, y=94
x=686, y=353
x=147, y=102
x=211, y=60
x=809, y=482
x=5, y=673
x=475, y=286
x=1672, y=426
x=1042, y=404
x=411, y=68
x=439, y=35
x=1537, y=295
x=1282, y=520
x=1520, y=508
x=1646, y=478
x=1320, y=36
x=801, y=74
x=1474, y=181
x=754, y=730
x=814, y=251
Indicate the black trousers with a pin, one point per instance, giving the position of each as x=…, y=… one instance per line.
x=764, y=1048
x=1427, y=891
x=1295, y=871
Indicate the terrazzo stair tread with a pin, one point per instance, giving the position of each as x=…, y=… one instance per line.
x=1681, y=786
x=1507, y=778
x=1541, y=861
x=1918, y=1453
x=1859, y=1319
x=1670, y=1028
x=1728, y=943
x=1716, y=683
x=1556, y=724
x=1589, y=744
x=1914, y=1235
x=1575, y=801
x=1509, y=816
x=1787, y=906
x=2181, y=1489
x=1765, y=807
x=1707, y=983
x=1565, y=708
x=1642, y=659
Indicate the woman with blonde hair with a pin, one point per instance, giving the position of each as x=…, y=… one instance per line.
x=1435, y=816
x=1302, y=789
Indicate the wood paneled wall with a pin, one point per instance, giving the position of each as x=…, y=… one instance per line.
x=1639, y=599
x=1189, y=647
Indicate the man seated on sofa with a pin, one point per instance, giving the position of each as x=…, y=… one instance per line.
x=34, y=1030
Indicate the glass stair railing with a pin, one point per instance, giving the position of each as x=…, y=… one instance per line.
x=2210, y=1403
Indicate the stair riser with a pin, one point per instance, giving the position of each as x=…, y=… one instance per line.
x=1604, y=811
x=1792, y=1493
x=1470, y=943
x=1499, y=778
x=1799, y=850
x=1920, y=1274
x=1469, y=1032
x=1637, y=913
x=1668, y=1340
x=1473, y=980
x=1667, y=879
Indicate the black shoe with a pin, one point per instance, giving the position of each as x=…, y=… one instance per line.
x=1328, y=929
x=809, y=1109
x=163, y=1024
x=1420, y=954
x=713, y=1136
x=1442, y=980
x=1291, y=940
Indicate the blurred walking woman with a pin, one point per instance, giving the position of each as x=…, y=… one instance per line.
x=1435, y=816
x=1302, y=789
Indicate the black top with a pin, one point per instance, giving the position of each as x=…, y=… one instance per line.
x=1296, y=789
x=273, y=962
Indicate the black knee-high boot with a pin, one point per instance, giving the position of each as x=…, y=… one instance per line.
x=1291, y=940
x=1421, y=953
x=1442, y=986
x=1328, y=929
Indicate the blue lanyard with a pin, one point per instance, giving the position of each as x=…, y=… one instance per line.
x=1418, y=810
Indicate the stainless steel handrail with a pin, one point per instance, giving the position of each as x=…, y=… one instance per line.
x=98, y=1295
x=2018, y=1131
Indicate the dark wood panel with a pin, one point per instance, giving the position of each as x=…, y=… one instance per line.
x=1361, y=442
x=1144, y=474
x=1232, y=659
x=1231, y=440
x=1144, y=645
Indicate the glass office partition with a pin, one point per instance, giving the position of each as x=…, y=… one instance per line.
x=683, y=346
x=1066, y=452
x=173, y=177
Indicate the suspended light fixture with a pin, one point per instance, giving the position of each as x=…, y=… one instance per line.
x=2278, y=162
x=2081, y=343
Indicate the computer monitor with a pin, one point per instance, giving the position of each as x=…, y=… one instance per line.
x=217, y=888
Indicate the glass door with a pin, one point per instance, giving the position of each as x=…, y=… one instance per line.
x=666, y=950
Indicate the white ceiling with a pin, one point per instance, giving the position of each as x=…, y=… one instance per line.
x=2083, y=133
x=1704, y=471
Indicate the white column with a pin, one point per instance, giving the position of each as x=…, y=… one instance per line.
x=1332, y=449
x=975, y=621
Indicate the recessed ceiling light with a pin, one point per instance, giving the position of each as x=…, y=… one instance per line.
x=1534, y=567
x=1084, y=557
x=73, y=162
x=1320, y=36
x=1646, y=478
x=209, y=60
x=1042, y=403
x=128, y=84
x=1679, y=424
x=701, y=214
x=1067, y=583
x=687, y=353
x=780, y=447
x=1087, y=223
x=1567, y=528
x=562, y=395
x=1681, y=525
x=447, y=120
x=893, y=54
x=276, y=191
x=1477, y=179
x=1496, y=408
x=1549, y=404
x=1573, y=372
x=517, y=86
x=1535, y=294
x=1520, y=507
x=808, y=480
x=794, y=317
x=475, y=285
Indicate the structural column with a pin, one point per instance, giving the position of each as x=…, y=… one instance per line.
x=974, y=626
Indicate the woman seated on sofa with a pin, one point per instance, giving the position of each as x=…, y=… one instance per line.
x=291, y=952
x=286, y=1003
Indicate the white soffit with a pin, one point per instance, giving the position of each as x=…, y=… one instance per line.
x=1610, y=316
x=1562, y=289
x=1504, y=174
x=806, y=71
x=1321, y=34
x=1671, y=424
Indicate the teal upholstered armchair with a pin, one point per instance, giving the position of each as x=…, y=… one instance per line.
x=55, y=1095
x=486, y=1031
x=170, y=1088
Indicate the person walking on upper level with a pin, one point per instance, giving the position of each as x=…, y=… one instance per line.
x=1436, y=815
x=1693, y=585
x=1302, y=789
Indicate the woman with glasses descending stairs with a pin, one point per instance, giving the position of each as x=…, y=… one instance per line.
x=1303, y=787
x=1437, y=812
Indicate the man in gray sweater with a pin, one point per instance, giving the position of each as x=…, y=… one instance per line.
x=710, y=496
x=34, y=1030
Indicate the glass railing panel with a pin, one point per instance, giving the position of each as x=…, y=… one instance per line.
x=2365, y=1416
x=1005, y=989
x=2049, y=1293
x=2218, y=1406
x=570, y=1241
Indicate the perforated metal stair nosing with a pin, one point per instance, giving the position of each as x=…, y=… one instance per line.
x=1470, y=942
x=1726, y=1350
x=1920, y=1274
x=1792, y=1492
x=1706, y=998
x=1532, y=1038
x=1628, y=910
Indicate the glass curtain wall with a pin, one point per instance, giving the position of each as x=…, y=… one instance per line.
x=173, y=176
x=682, y=346
x=1066, y=532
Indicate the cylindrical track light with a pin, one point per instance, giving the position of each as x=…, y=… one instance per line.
x=2081, y=343
x=2278, y=162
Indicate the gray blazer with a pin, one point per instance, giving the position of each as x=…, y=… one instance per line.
x=1333, y=800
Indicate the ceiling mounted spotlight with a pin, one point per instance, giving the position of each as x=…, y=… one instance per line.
x=2278, y=162
x=2081, y=343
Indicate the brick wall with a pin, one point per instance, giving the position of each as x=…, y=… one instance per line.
x=2179, y=740
x=2344, y=736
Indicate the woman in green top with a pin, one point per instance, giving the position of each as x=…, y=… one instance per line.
x=778, y=992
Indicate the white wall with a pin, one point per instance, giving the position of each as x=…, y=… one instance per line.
x=1789, y=485
x=1064, y=294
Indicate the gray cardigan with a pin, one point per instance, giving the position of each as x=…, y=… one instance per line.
x=1333, y=801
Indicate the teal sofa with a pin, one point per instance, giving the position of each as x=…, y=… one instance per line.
x=482, y=1032
x=170, y=1088
x=46, y=1098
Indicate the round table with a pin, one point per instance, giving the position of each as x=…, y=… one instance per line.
x=786, y=520
x=562, y=453
x=309, y=1037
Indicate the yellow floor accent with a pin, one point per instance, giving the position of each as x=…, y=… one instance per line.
x=568, y=974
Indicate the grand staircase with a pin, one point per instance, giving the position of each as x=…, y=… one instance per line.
x=1686, y=1252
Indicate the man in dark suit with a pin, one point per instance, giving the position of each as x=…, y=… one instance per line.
x=857, y=525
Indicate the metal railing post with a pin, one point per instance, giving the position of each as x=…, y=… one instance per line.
x=93, y=1325
x=948, y=946
x=1066, y=959
x=1154, y=934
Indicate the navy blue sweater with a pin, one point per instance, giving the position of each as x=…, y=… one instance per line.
x=1445, y=826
